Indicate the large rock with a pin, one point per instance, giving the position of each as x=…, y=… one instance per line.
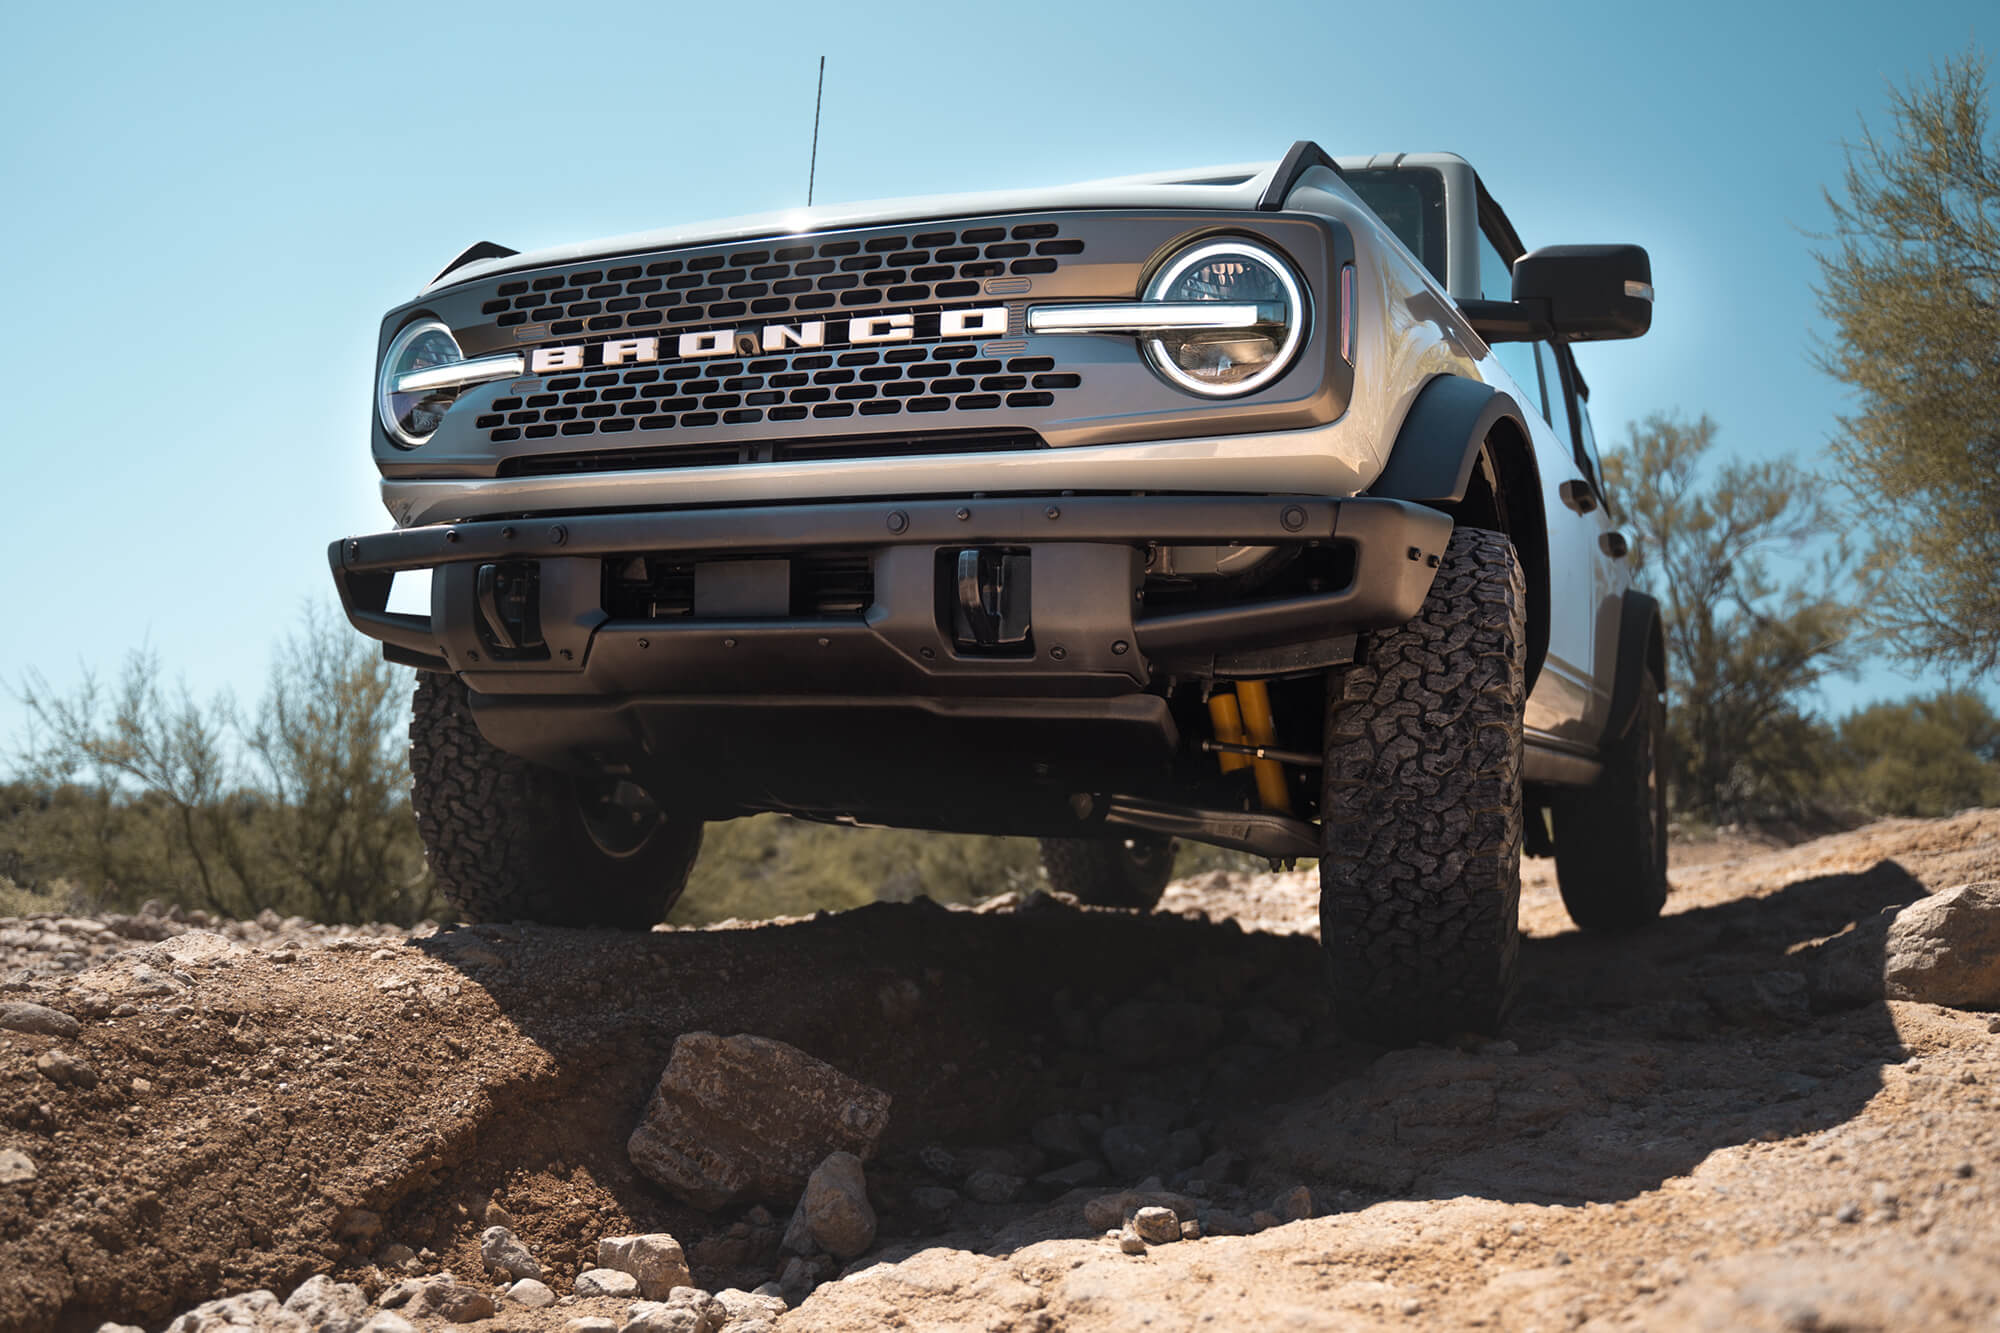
x=656, y=1260
x=1945, y=949
x=834, y=1212
x=741, y=1118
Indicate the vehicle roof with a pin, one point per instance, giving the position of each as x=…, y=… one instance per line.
x=1232, y=186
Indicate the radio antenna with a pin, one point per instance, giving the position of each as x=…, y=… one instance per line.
x=812, y=172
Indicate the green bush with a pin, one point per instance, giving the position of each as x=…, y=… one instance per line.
x=1927, y=755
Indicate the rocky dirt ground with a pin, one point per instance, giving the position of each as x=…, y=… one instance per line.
x=1720, y=1123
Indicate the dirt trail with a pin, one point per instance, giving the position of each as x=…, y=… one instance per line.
x=1680, y=1130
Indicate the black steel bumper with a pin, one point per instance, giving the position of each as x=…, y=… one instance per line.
x=882, y=712
x=1093, y=637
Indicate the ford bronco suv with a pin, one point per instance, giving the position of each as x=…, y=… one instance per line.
x=1256, y=506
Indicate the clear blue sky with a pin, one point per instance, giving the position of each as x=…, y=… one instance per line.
x=208, y=207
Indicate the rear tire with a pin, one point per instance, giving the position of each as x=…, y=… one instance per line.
x=1611, y=838
x=1421, y=882
x=510, y=840
x=1129, y=871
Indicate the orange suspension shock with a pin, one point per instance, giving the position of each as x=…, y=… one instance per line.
x=1244, y=718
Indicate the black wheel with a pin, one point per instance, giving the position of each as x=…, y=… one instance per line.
x=510, y=840
x=1131, y=871
x=1611, y=838
x=1420, y=886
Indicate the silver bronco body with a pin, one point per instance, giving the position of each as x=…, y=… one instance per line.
x=913, y=512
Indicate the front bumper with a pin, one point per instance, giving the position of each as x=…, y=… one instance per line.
x=883, y=711
x=1086, y=551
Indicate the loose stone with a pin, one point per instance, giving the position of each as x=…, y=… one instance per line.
x=531, y=1293
x=504, y=1253
x=656, y=1260
x=606, y=1282
x=1156, y=1226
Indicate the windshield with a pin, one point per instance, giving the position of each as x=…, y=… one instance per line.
x=1411, y=201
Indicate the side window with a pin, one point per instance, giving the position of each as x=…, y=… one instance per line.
x=1496, y=275
x=1519, y=361
x=1593, y=469
x=1496, y=282
x=1557, y=410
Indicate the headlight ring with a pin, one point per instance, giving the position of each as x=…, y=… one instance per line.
x=1227, y=363
x=412, y=418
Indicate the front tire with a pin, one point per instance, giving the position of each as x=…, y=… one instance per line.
x=1611, y=838
x=1420, y=885
x=1129, y=871
x=510, y=840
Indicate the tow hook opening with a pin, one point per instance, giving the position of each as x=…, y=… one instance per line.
x=988, y=593
x=510, y=617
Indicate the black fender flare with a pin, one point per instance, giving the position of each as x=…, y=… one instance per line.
x=1438, y=446
x=1642, y=643
x=1433, y=460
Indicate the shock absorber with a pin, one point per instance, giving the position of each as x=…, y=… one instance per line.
x=1244, y=719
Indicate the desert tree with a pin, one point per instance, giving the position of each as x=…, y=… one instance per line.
x=142, y=736
x=1747, y=564
x=1910, y=282
x=330, y=737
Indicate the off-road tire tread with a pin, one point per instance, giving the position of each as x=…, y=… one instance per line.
x=1421, y=880
x=1101, y=872
x=502, y=837
x=1611, y=856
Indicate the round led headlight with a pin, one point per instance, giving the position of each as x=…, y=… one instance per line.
x=1251, y=352
x=412, y=416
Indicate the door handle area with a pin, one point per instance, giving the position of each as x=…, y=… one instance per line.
x=1578, y=495
x=1614, y=544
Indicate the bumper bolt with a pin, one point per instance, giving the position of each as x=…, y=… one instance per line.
x=898, y=520
x=729, y=643
x=451, y=534
x=645, y=643
x=354, y=550
x=1293, y=518
x=1119, y=648
x=558, y=535
x=507, y=534
x=928, y=654
x=964, y=515
x=1052, y=512
x=567, y=655
x=1058, y=652
x=471, y=656
x=824, y=641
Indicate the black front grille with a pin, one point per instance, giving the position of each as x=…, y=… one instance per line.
x=806, y=277
x=800, y=387
x=771, y=451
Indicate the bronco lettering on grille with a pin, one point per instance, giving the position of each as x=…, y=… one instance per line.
x=985, y=322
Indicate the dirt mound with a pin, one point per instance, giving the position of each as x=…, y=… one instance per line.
x=1679, y=1127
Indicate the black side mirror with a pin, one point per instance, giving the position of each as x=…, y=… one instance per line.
x=1593, y=292
x=1571, y=293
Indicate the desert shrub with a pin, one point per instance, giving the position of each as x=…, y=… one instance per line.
x=1926, y=755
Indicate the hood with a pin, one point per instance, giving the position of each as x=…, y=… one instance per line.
x=1221, y=188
